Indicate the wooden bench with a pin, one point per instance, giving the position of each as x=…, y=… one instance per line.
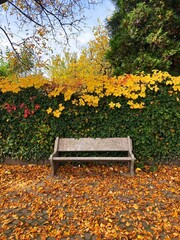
x=91, y=145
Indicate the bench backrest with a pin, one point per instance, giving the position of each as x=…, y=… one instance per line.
x=93, y=144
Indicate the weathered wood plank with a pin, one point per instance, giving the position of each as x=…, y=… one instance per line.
x=93, y=144
x=84, y=159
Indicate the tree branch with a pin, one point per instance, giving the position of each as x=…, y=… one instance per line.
x=3, y=1
x=27, y=16
x=11, y=43
x=56, y=17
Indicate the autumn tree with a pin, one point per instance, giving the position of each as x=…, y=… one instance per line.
x=4, y=66
x=90, y=63
x=144, y=35
x=41, y=20
x=95, y=52
x=61, y=67
x=22, y=65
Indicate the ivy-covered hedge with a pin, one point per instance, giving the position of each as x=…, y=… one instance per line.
x=28, y=132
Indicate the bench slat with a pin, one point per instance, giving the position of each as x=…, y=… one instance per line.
x=92, y=158
x=93, y=144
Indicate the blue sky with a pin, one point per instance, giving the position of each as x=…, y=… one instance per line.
x=100, y=12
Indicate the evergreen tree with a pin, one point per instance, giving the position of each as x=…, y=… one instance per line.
x=144, y=35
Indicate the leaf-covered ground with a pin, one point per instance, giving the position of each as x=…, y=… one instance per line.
x=88, y=202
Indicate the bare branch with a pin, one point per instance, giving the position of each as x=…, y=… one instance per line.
x=27, y=16
x=11, y=43
x=42, y=17
x=3, y=1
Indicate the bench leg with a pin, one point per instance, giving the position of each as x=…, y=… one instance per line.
x=54, y=167
x=132, y=168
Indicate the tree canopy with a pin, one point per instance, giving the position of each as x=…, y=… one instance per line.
x=144, y=35
x=90, y=63
x=42, y=20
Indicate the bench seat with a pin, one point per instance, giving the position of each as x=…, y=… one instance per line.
x=70, y=159
x=81, y=145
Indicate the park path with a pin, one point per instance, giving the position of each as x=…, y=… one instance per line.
x=88, y=202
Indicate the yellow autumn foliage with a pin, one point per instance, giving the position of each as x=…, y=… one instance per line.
x=89, y=89
x=15, y=84
x=86, y=79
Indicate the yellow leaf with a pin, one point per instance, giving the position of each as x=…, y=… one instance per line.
x=138, y=170
x=61, y=215
x=66, y=233
x=15, y=216
x=167, y=238
x=135, y=206
x=128, y=224
x=6, y=222
x=101, y=225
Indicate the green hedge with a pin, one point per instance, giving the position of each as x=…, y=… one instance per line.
x=27, y=132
